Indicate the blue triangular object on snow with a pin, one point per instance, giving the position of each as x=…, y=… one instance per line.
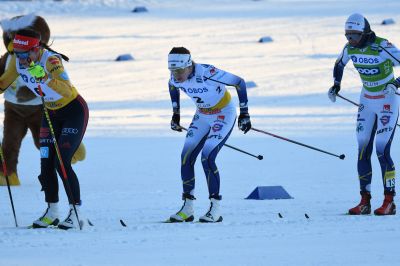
x=269, y=192
x=124, y=57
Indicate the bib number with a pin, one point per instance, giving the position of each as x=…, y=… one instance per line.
x=198, y=100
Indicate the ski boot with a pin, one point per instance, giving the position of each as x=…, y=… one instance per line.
x=388, y=207
x=50, y=217
x=71, y=222
x=213, y=214
x=364, y=207
x=185, y=214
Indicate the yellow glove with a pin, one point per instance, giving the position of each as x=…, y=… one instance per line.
x=80, y=154
x=36, y=71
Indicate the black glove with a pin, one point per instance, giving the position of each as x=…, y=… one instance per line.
x=176, y=118
x=244, y=122
x=333, y=91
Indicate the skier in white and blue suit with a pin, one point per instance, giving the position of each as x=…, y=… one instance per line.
x=211, y=125
x=374, y=58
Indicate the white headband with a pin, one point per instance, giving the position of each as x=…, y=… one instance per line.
x=176, y=61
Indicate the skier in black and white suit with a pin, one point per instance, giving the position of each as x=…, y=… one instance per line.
x=210, y=128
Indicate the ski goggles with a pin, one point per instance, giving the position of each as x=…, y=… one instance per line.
x=353, y=36
x=22, y=55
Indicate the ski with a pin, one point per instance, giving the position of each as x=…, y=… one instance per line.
x=305, y=215
x=122, y=223
x=56, y=227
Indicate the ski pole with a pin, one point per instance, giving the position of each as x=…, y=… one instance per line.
x=65, y=177
x=356, y=104
x=8, y=183
x=259, y=157
x=348, y=100
x=342, y=156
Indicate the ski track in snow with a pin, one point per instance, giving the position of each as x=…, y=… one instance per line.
x=132, y=168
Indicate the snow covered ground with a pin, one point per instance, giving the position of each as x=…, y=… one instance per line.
x=132, y=168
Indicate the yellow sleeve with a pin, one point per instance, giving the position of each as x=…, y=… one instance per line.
x=59, y=80
x=9, y=75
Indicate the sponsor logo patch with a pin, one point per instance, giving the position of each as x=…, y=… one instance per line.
x=360, y=127
x=194, y=90
x=54, y=69
x=383, y=130
x=364, y=60
x=215, y=136
x=69, y=130
x=385, y=119
x=54, y=60
x=212, y=71
x=189, y=134
x=46, y=141
x=44, y=152
x=368, y=71
x=217, y=127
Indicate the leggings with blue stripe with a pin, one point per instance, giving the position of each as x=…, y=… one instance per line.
x=377, y=119
x=207, y=133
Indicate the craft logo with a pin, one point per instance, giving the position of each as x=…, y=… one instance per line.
x=383, y=130
x=46, y=141
x=215, y=136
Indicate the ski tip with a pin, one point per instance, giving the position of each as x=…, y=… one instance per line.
x=90, y=222
x=280, y=215
x=306, y=215
x=122, y=223
x=341, y=157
